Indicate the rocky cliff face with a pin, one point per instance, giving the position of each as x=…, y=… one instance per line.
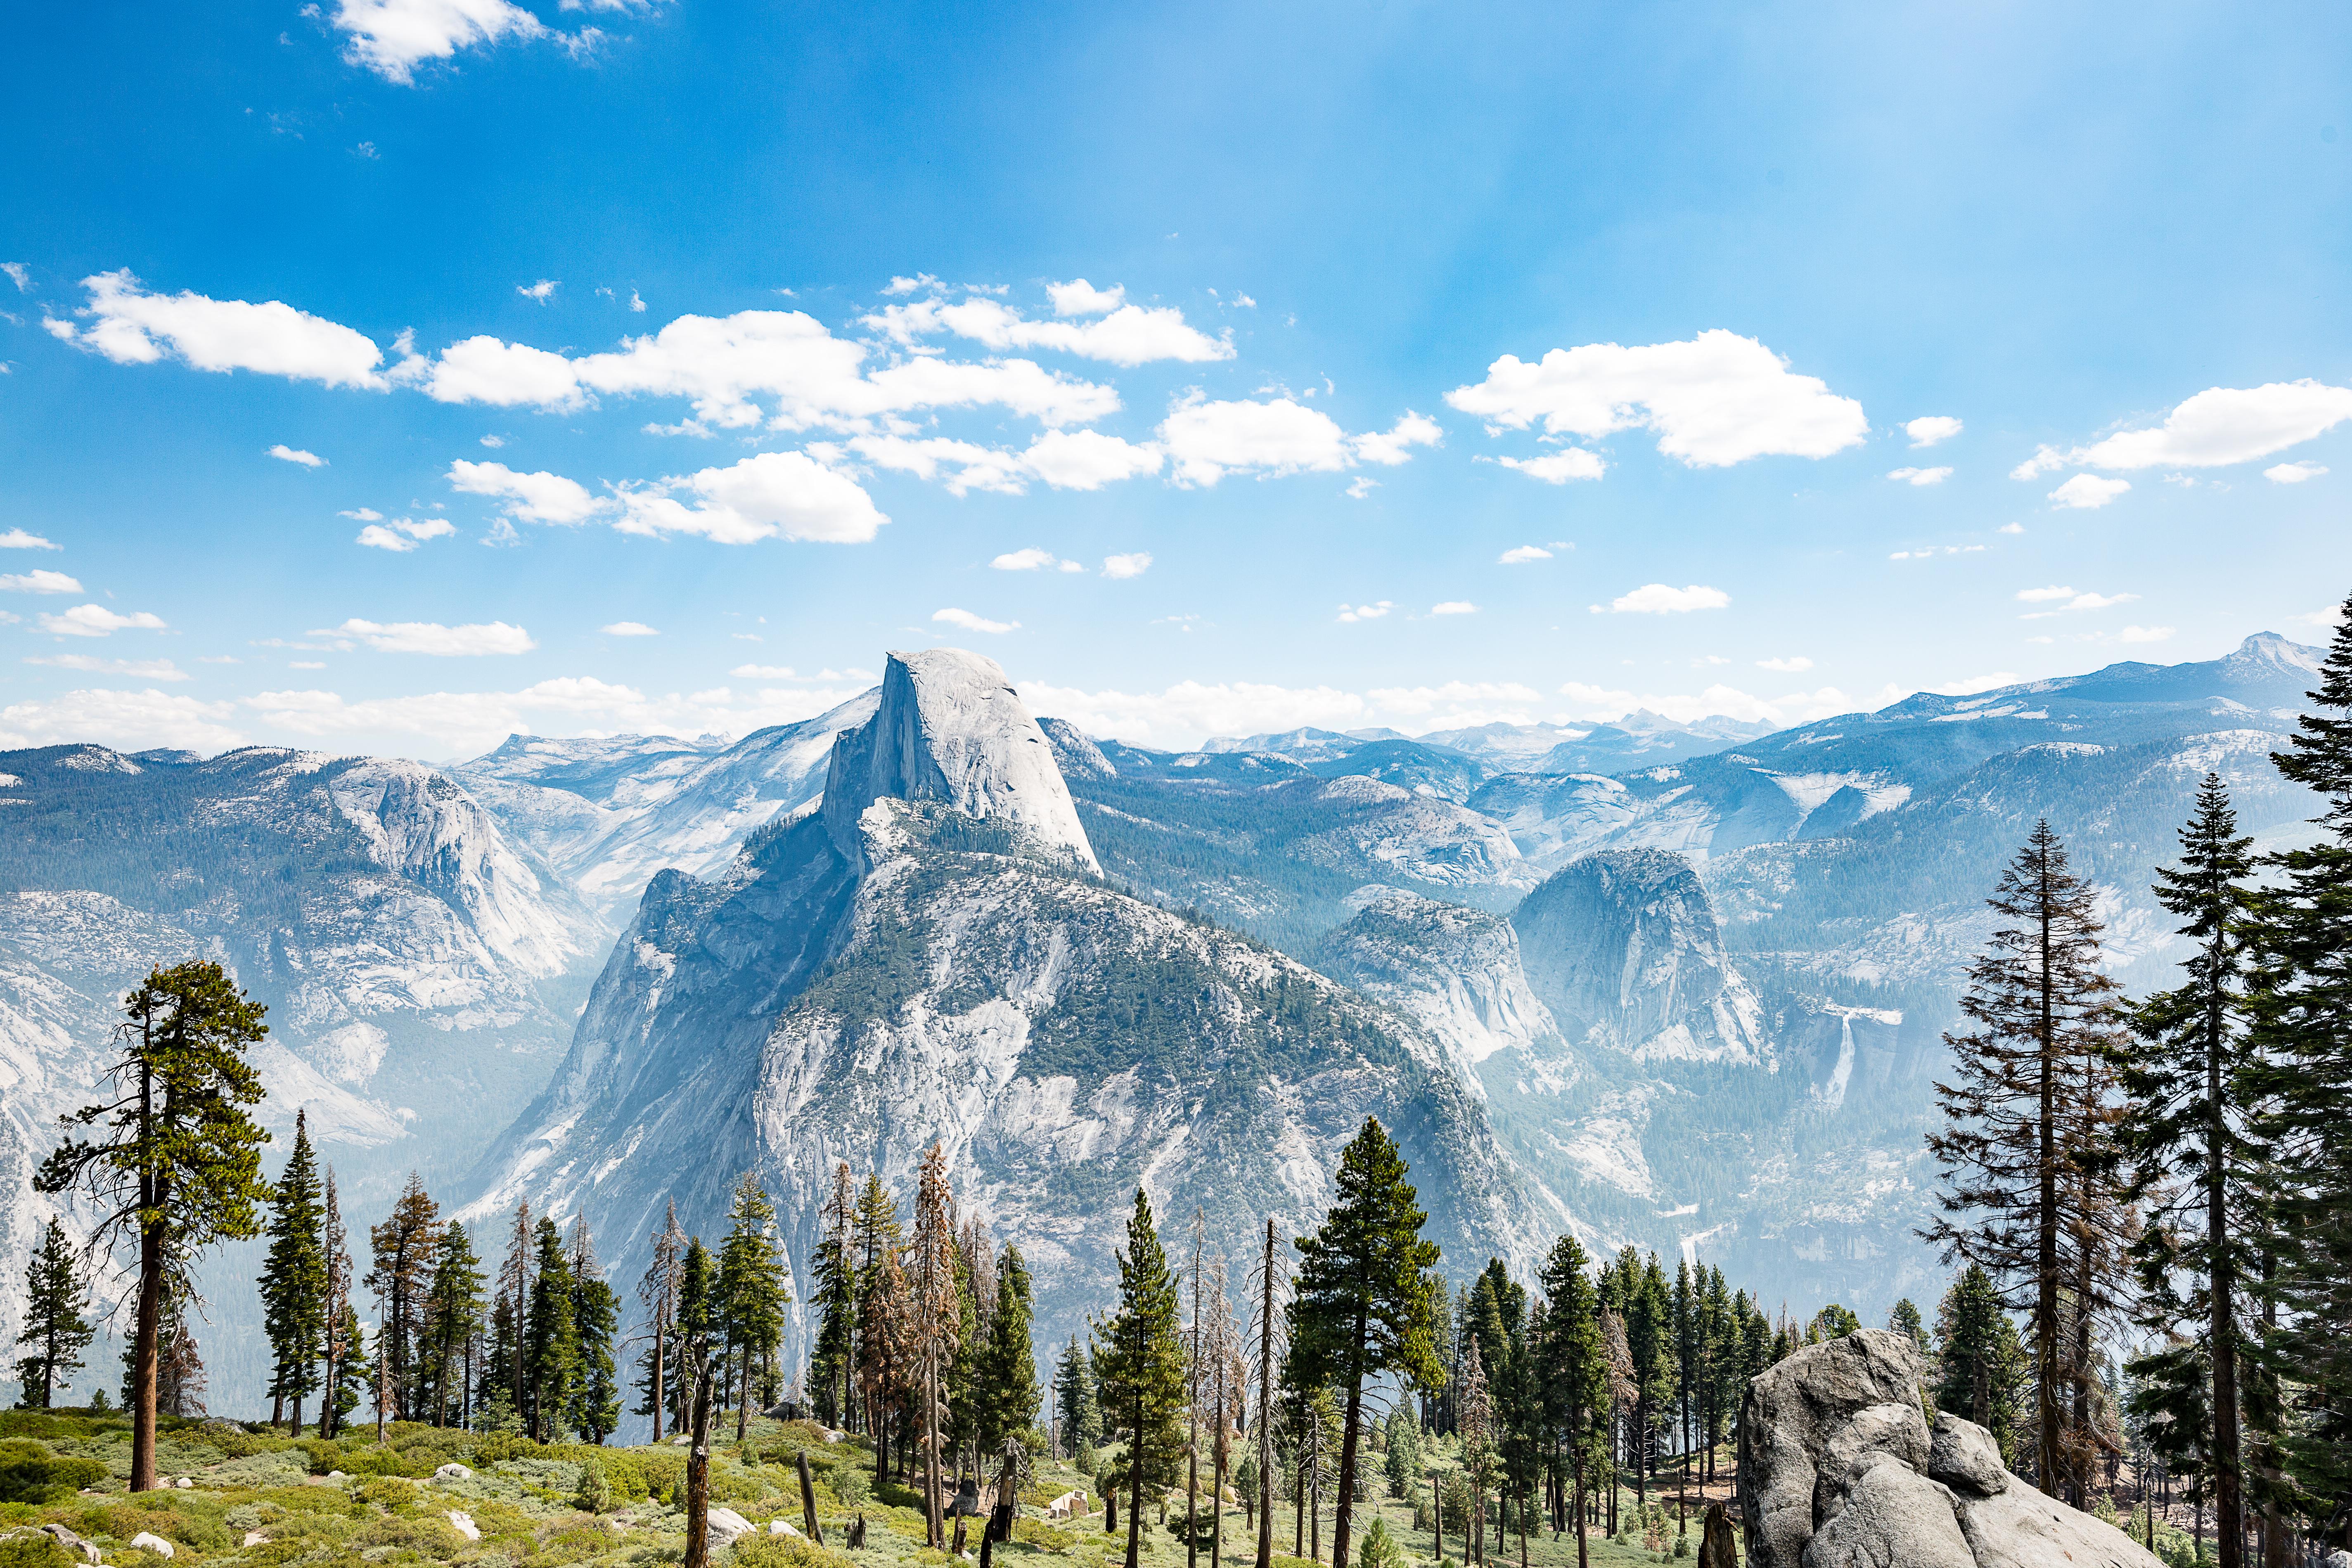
x=1839, y=1468
x=952, y=976
x=1623, y=947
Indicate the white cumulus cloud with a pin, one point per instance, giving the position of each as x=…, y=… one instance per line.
x=132, y=326
x=1931, y=429
x=1080, y=298
x=1131, y=565
x=1126, y=335
x=629, y=629
x=404, y=534
x=1454, y=607
x=138, y=669
x=1717, y=399
x=430, y=637
x=1559, y=468
x=38, y=582
x=2293, y=473
x=98, y=621
x=1205, y=441
x=2226, y=425
x=972, y=623
x=1786, y=666
x=1034, y=560
x=17, y=539
x=128, y=720
x=285, y=454
x=787, y=495
x=1659, y=599
x=1373, y=612
x=1087, y=460
x=2087, y=492
x=1921, y=476
x=1393, y=446
x=538, y=496
x=1520, y=554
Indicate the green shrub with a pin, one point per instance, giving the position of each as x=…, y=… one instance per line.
x=765, y=1550
x=1036, y=1532
x=31, y=1473
x=850, y=1484
x=35, y=1549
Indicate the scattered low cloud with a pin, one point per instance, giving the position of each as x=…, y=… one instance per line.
x=2062, y=599
x=1930, y=552
x=1035, y=559
x=2087, y=492
x=137, y=668
x=362, y=514
x=1205, y=441
x=404, y=534
x=2224, y=425
x=131, y=326
x=1360, y=488
x=17, y=275
x=1931, y=429
x=98, y=621
x=1794, y=664
x=1921, y=476
x=787, y=495
x=1520, y=554
x=2010, y=528
x=628, y=629
x=543, y=290
x=17, y=539
x=1134, y=564
x=970, y=622
x=1717, y=399
x=1659, y=599
x=129, y=720
x=1080, y=298
x=285, y=454
x=1374, y=611
x=1393, y=447
x=2293, y=473
x=1454, y=607
x=1126, y=335
x=38, y=582
x=431, y=638
x=392, y=38
x=1559, y=468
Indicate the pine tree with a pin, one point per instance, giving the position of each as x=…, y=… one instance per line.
x=405, y=1245
x=514, y=1293
x=179, y=1382
x=1140, y=1362
x=450, y=1320
x=55, y=1299
x=1905, y=1319
x=932, y=1323
x=1575, y=1370
x=595, y=1410
x=2300, y=1073
x=1010, y=1406
x=1365, y=1306
x=2193, y=1159
x=1073, y=1401
x=657, y=1291
x=551, y=1340
x=752, y=1295
x=1980, y=1367
x=294, y=1286
x=179, y=1167
x=833, y=1366
x=875, y=1238
x=338, y=1343
x=2026, y=1148
x=350, y=1374
x=1648, y=1327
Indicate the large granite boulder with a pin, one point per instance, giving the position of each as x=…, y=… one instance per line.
x=1841, y=1468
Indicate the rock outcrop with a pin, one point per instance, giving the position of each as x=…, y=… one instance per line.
x=952, y=729
x=1838, y=1467
x=1624, y=948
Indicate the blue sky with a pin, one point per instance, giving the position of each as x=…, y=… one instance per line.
x=756, y=328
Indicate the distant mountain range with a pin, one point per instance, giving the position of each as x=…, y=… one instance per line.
x=1679, y=986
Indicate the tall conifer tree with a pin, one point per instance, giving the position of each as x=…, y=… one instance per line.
x=596, y=1318
x=1140, y=1361
x=55, y=1299
x=550, y=1339
x=294, y=1285
x=1009, y=1369
x=1366, y=1304
x=752, y=1295
x=2026, y=1196
x=405, y=1246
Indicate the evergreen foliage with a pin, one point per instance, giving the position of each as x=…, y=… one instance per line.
x=1980, y=1366
x=55, y=1299
x=551, y=1341
x=1140, y=1362
x=595, y=1412
x=177, y=1165
x=405, y=1248
x=294, y=1285
x=1008, y=1371
x=751, y=1293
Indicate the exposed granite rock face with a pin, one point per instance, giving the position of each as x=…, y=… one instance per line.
x=1839, y=1468
x=1623, y=947
x=952, y=729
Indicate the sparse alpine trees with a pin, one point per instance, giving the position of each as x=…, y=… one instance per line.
x=1140, y=1360
x=339, y=1344
x=2194, y=1162
x=595, y=1410
x=1009, y=1397
x=933, y=1324
x=177, y=1163
x=833, y=1368
x=405, y=1246
x=2301, y=1002
x=1574, y=1368
x=449, y=1323
x=55, y=1299
x=752, y=1294
x=2026, y=1146
x=1366, y=1303
x=294, y=1284
x=657, y=1291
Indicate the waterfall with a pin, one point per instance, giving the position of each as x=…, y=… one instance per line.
x=1835, y=1093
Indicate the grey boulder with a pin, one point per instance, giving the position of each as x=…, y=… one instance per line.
x=1838, y=1467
